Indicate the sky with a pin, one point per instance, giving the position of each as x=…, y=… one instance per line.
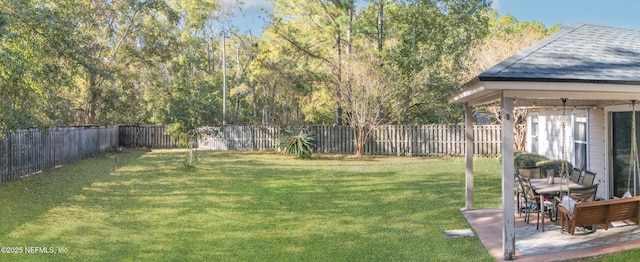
x=251, y=14
x=616, y=13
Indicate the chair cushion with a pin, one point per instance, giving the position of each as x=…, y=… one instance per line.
x=569, y=204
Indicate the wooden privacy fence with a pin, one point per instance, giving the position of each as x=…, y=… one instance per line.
x=416, y=140
x=26, y=152
x=151, y=136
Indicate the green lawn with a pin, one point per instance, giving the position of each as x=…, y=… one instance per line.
x=146, y=206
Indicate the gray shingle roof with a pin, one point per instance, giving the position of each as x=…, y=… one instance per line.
x=579, y=53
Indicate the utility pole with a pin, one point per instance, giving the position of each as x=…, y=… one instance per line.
x=224, y=79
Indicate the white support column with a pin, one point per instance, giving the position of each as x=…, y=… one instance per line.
x=469, y=157
x=508, y=214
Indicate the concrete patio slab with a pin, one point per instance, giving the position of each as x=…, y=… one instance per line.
x=551, y=245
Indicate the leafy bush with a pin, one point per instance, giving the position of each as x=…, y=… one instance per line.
x=522, y=158
x=553, y=164
x=527, y=159
x=299, y=143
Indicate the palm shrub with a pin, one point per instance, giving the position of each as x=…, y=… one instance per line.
x=299, y=143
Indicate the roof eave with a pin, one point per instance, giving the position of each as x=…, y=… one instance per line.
x=467, y=92
x=483, y=91
x=483, y=79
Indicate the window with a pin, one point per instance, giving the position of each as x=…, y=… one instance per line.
x=534, y=133
x=580, y=140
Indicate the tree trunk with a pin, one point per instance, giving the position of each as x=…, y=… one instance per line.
x=338, y=75
x=520, y=129
x=348, y=72
x=361, y=139
x=92, y=101
x=406, y=107
x=519, y=126
x=380, y=23
x=407, y=102
x=191, y=152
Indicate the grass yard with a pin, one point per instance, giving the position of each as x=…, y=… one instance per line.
x=146, y=206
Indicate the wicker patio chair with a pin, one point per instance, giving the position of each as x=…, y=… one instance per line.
x=575, y=175
x=588, y=178
x=532, y=172
x=532, y=203
x=583, y=194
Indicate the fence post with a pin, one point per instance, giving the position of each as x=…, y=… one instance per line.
x=10, y=155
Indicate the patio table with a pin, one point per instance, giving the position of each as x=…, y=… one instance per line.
x=543, y=188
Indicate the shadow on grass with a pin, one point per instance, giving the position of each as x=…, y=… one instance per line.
x=237, y=206
x=29, y=198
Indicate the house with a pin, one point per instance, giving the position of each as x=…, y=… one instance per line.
x=578, y=86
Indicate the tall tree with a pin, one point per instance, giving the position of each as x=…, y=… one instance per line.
x=367, y=95
x=190, y=96
x=282, y=78
x=431, y=38
x=124, y=35
x=38, y=54
x=318, y=29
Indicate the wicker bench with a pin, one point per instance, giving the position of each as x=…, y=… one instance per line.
x=600, y=213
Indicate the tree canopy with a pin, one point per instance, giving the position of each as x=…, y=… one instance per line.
x=98, y=62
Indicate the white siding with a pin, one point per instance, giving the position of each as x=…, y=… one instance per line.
x=550, y=140
x=528, y=145
x=532, y=142
x=550, y=134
